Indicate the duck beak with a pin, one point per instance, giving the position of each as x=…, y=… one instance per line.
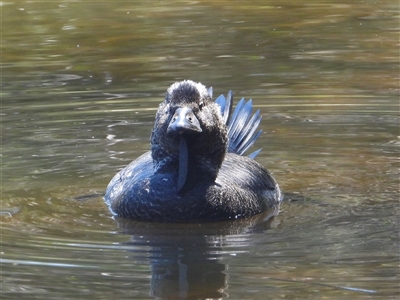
x=184, y=120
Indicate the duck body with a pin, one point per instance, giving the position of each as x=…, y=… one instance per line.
x=195, y=170
x=139, y=193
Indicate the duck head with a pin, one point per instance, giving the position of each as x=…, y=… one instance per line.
x=189, y=135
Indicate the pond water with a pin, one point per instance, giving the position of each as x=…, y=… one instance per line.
x=81, y=83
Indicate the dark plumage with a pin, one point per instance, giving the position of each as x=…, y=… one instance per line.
x=195, y=170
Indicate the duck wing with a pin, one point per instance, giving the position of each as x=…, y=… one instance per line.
x=242, y=125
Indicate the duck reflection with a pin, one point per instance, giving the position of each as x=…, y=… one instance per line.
x=187, y=260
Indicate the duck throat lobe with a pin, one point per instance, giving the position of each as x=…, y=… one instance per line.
x=187, y=172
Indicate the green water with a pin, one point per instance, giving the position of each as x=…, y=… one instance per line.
x=81, y=82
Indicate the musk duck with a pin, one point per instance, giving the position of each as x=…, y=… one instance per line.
x=196, y=170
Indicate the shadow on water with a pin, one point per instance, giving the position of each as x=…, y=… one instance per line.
x=186, y=259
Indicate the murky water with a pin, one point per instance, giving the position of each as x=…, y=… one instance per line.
x=80, y=86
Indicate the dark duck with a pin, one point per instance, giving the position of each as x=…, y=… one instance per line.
x=196, y=170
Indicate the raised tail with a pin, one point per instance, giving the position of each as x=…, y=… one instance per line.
x=242, y=125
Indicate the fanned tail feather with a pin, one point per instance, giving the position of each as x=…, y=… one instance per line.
x=241, y=124
x=226, y=105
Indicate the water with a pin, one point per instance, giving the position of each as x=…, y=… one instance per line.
x=81, y=83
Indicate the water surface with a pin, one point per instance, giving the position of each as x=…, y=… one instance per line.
x=81, y=83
